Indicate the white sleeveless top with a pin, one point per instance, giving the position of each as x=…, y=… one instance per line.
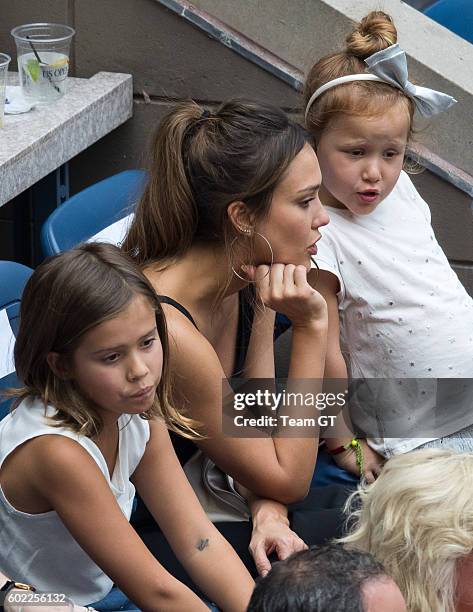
x=403, y=315
x=37, y=548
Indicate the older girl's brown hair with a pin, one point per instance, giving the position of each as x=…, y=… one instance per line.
x=200, y=163
x=66, y=296
x=375, y=32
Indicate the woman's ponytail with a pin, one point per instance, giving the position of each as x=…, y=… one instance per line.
x=167, y=210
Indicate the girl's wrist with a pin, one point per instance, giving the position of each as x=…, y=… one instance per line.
x=353, y=446
x=312, y=326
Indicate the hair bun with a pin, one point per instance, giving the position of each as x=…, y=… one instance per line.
x=375, y=32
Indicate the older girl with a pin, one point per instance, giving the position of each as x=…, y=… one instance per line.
x=90, y=426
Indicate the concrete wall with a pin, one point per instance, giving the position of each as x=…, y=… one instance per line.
x=171, y=60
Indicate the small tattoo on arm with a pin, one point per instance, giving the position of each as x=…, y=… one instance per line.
x=202, y=544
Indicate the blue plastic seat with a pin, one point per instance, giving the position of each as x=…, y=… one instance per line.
x=13, y=278
x=91, y=211
x=456, y=15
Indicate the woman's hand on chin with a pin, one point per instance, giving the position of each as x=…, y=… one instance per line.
x=284, y=288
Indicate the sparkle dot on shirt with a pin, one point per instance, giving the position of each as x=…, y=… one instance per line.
x=400, y=319
x=450, y=367
x=429, y=369
x=391, y=303
x=377, y=335
x=426, y=261
x=422, y=392
x=359, y=262
x=390, y=350
x=431, y=293
x=341, y=262
x=412, y=364
x=452, y=340
x=410, y=331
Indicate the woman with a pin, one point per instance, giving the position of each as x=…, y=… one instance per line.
x=232, y=204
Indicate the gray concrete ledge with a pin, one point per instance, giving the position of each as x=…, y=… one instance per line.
x=283, y=70
x=236, y=41
x=302, y=31
x=36, y=143
x=448, y=172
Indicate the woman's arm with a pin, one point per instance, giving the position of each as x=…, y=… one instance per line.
x=271, y=533
x=203, y=551
x=277, y=468
x=259, y=361
x=69, y=479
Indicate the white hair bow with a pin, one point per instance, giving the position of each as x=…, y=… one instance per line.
x=390, y=65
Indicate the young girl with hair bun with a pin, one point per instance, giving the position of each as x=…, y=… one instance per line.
x=225, y=231
x=396, y=308
x=89, y=426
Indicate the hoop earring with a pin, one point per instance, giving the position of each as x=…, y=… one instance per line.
x=246, y=280
x=318, y=271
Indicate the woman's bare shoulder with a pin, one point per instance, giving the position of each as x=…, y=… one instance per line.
x=189, y=349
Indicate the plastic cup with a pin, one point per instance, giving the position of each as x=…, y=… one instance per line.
x=4, y=61
x=43, y=60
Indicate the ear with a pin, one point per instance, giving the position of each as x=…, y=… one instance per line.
x=59, y=365
x=240, y=217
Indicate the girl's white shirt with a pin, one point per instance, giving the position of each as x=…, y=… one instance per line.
x=403, y=313
x=37, y=548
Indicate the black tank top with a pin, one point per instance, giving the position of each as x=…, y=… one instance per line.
x=186, y=448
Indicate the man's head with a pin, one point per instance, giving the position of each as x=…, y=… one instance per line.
x=327, y=579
